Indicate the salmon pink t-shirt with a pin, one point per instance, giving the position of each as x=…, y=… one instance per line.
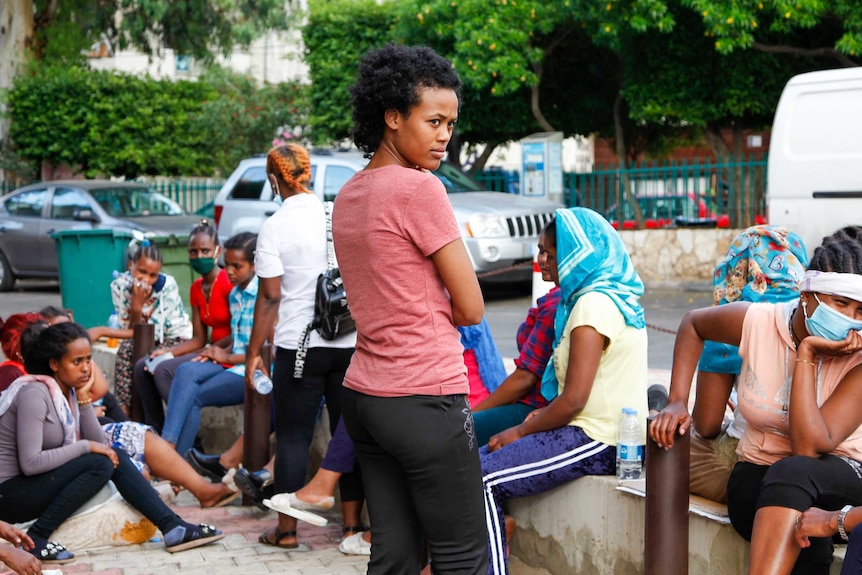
x=768, y=361
x=387, y=223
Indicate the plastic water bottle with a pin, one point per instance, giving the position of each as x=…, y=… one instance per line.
x=629, y=446
x=262, y=383
x=113, y=323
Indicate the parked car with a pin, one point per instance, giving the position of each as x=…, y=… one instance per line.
x=30, y=215
x=498, y=229
x=677, y=210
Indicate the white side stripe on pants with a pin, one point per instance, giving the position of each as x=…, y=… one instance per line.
x=498, y=551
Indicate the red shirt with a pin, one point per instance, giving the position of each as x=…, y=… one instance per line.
x=9, y=372
x=215, y=313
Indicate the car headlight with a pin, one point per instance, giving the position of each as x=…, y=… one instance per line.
x=487, y=226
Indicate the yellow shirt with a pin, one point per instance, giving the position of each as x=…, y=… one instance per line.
x=621, y=379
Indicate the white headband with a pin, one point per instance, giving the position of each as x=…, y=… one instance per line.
x=847, y=285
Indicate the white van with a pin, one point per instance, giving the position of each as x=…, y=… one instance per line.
x=815, y=155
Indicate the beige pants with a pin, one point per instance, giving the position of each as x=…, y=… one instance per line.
x=712, y=460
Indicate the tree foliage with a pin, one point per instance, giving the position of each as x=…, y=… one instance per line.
x=337, y=34
x=121, y=125
x=743, y=23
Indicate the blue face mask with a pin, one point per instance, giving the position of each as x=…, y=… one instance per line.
x=828, y=323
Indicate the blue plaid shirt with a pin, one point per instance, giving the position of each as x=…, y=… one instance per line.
x=241, y=318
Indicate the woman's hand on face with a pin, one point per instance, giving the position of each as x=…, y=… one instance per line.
x=140, y=294
x=504, y=438
x=815, y=522
x=101, y=448
x=15, y=536
x=672, y=419
x=822, y=346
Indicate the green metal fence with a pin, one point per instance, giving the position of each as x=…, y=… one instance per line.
x=195, y=195
x=735, y=189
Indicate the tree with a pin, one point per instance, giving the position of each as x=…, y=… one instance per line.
x=41, y=30
x=337, y=34
x=746, y=24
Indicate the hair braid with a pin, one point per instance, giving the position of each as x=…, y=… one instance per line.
x=147, y=250
x=838, y=253
x=290, y=163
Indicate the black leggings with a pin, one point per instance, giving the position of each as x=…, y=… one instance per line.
x=796, y=482
x=297, y=403
x=54, y=496
x=420, y=462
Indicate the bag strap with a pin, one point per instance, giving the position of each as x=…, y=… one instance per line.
x=302, y=351
x=331, y=263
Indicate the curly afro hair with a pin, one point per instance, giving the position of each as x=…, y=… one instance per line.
x=391, y=78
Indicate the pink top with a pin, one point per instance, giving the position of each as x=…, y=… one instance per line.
x=768, y=361
x=386, y=224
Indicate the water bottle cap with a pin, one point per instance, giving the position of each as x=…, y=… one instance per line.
x=630, y=411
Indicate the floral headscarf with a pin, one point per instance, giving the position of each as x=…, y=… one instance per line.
x=591, y=256
x=762, y=264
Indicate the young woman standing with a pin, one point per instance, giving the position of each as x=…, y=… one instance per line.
x=410, y=283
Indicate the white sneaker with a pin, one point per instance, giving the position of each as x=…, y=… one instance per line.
x=355, y=545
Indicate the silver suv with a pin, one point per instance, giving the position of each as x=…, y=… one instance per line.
x=498, y=229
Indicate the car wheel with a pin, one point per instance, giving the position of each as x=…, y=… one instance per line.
x=7, y=280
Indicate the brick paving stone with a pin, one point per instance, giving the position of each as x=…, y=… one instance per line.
x=238, y=550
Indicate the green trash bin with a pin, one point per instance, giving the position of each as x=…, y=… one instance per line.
x=87, y=261
x=175, y=262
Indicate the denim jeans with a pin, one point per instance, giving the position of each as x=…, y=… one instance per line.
x=198, y=384
x=153, y=388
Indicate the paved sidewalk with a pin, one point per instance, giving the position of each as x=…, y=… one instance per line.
x=239, y=552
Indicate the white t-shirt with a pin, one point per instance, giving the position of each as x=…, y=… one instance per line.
x=292, y=244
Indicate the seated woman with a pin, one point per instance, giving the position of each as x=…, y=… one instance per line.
x=143, y=294
x=520, y=392
x=215, y=377
x=210, y=305
x=763, y=264
x=599, y=367
x=53, y=456
x=800, y=388
x=148, y=451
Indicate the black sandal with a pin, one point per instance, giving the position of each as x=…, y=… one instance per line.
x=279, y=535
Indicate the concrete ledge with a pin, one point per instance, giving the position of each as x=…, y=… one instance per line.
x=590, y=527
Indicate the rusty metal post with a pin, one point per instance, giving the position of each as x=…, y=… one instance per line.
x=666, y=528
x=143, y=342
x=256, y=425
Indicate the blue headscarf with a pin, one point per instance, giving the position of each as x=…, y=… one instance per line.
x=762, y=264
x=591, y=256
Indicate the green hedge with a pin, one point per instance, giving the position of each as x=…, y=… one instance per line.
x=115, y=124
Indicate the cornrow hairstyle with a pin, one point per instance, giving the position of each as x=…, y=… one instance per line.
x=290, y=163
x=207, y=229
x=147, y=250
x=51, y=343
x=244, y=241
x=392, y=78
x=11, y=330
x=838, y=254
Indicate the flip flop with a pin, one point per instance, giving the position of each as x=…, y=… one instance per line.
x=279, y=535
x=283, y=506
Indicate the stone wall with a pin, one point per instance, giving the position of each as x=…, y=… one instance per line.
x=668, y=257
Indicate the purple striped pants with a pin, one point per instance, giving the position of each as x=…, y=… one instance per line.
x=535, y=464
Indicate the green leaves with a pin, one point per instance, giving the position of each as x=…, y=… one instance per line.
x=122, y=125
